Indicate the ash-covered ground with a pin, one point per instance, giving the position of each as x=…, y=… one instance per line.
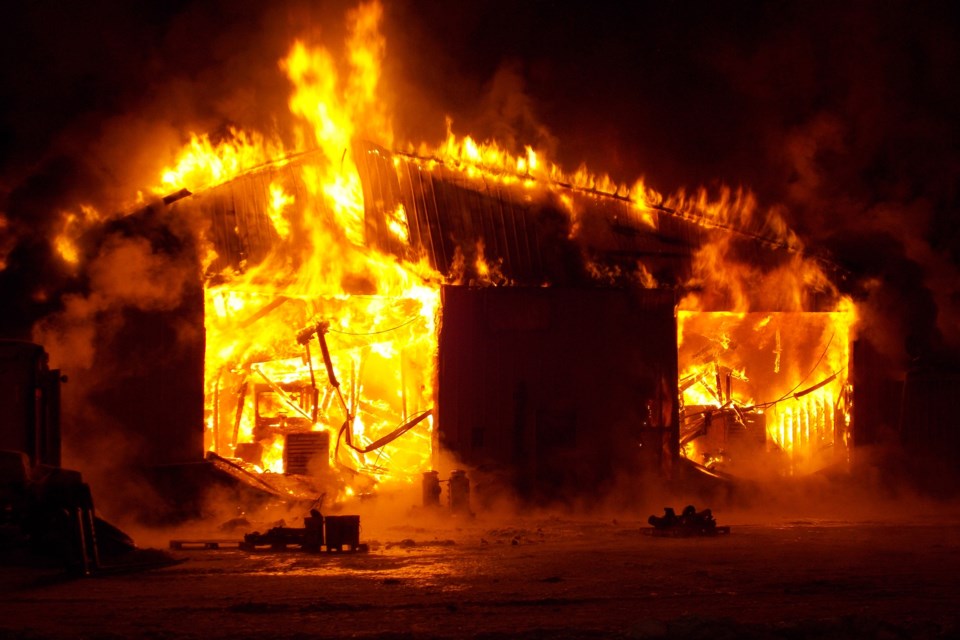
x=880, y=571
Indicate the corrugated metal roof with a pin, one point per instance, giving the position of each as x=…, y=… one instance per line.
x=524, y=228
x=522, y=224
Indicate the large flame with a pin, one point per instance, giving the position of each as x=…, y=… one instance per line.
x=776, y=382
x=377, y=315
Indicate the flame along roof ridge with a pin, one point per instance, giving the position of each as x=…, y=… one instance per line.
x=686, y=215
x=692, y=215
x=567, y=185
x=653, y=239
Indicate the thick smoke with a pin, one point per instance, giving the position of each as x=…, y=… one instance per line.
x=127, y=273
x=852, y=104
x=840, y=117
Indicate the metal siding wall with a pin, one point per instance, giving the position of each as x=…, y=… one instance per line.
x=553, y=385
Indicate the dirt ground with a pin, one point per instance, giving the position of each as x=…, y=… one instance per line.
x=527, y=577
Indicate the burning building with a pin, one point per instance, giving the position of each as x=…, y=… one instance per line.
x=518, y=322
x=369, y=306
x=307, y=312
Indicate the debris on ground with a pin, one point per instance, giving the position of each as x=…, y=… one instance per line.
x=689, y=523
x=330, y=533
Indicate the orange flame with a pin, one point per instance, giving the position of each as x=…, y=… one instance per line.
x=789, y=370
x=381, y=342
x=73, y=225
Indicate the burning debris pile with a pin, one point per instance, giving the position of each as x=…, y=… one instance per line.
x=765, y=389
x=689, y=523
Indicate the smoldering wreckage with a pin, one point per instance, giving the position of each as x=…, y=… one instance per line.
x=458, y=318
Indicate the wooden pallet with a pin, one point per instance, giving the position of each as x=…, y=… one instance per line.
x=204, y=545
x=290, y=546
x=686, y=532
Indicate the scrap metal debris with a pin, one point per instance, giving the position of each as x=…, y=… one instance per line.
x=204, y=545
x=689, y=523
x=330, y=533
x=318, y=533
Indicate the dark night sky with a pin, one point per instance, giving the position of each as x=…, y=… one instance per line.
x=846, y=113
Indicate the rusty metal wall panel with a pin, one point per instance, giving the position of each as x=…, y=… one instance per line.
x=381, y=197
